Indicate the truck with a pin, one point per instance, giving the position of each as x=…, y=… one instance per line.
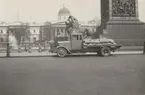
x=77, y=44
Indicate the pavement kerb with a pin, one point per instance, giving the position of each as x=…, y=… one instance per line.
x=51, y=55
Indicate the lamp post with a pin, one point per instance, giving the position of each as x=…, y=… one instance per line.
x=144, y=48
x=8, y=46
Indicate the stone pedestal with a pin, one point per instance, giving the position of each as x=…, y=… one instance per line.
x=121, y=21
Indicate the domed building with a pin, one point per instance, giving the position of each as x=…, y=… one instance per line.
x=63, y=13
x=58, y=26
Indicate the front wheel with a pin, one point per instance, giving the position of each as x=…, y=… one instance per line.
x=105, y=51
x=61, y=52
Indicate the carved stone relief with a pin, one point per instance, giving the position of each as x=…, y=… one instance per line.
x=123, y=8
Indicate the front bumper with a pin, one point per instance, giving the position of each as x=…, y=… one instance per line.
x=115, y=47
x=118, y=46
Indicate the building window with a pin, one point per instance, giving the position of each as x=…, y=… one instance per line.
x=1, y=40
x=1, y=31
x=28, y=32
x=22, y=39
x=58, y=33
x=34, y=39
x=63, y=32
x=64, y=17
x=34, y=31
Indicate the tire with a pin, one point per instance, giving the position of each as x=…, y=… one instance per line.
x=61, y=52
x=105, y=51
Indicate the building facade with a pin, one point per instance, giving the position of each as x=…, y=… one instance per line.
x=3, y=34
x=3, y=31
x=34, y=32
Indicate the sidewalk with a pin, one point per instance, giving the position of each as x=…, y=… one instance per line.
x=47, y=54
x=128, y=52
x=131, y=48
x=26, y=54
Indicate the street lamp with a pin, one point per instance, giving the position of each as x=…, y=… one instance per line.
x=8, y=46
x=144, y=48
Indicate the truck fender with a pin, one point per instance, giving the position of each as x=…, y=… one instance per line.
x=104, y=46
x=64, y=48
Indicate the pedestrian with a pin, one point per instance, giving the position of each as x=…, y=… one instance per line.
x=26, y=48
x=29, y=48
x=40, y=48
x=19, y=49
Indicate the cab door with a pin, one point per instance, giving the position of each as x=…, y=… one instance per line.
x=76, y=42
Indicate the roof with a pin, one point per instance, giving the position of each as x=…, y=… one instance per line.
x=16, y=23
x=58, y=22
x=36, y=24
x=76, y=33
x=63, y=10
x=3, y=24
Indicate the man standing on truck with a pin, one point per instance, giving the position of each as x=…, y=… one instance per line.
x=72, y=25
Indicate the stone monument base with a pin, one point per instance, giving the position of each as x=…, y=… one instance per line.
x=126, y=33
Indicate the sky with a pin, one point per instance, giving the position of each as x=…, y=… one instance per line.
x=47, y=10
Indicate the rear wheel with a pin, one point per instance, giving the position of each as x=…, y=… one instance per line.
x=61, y=52
x=105, y=51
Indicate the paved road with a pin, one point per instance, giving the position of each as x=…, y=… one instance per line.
x=75, y=75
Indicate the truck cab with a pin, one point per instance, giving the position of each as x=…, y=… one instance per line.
x=76, y=40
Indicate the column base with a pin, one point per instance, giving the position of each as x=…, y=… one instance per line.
x=126, y=33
